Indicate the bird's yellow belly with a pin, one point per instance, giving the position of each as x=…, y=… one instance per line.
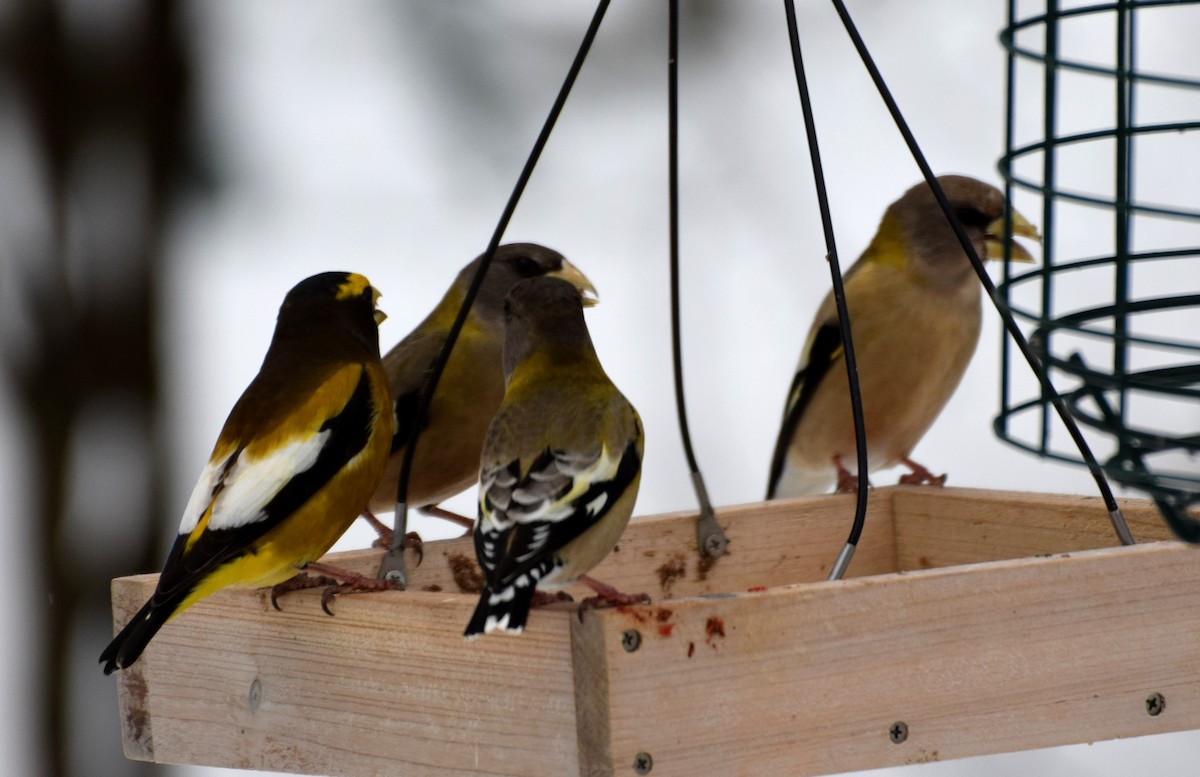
x=304, y=536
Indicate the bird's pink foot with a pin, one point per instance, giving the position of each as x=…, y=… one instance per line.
x=300, y=582
x=847, y=483
x=412, y=540
x=542, y=598
x=446, y=515
x=384, y=532
x=345, y=581
x=607, y=596
x=919, y=476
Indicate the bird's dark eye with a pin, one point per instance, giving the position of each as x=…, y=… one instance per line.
x=526, y=267
x=972, y=217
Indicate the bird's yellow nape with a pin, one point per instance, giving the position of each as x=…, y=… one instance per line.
x=574, y=276
x=354, y=286
x=1021, y=227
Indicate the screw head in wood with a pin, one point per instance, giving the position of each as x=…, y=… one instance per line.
x=631, y=640
x=1155, y=704
x=643, y=763
x=898, y=732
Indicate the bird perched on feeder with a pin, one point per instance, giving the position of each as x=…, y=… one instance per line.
x=471, y=386
x=914, y=304
x=294, y=464
x=560, y=464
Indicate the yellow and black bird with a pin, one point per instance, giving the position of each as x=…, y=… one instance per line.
x=446, y=461
x=561, y=463
x=914, y=304
x=294, y=464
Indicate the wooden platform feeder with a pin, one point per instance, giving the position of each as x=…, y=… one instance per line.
x=974, y=622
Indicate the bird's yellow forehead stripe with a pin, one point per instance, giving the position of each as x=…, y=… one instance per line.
x=354, y=286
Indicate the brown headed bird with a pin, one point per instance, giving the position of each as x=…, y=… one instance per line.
x=446, y=461
x=915, y=312
x=561, y=463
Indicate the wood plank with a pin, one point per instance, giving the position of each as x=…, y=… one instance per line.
x=388, y=686
x=986, y=658
x=940, y=527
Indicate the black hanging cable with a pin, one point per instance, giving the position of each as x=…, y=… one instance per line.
x=392, y=566
x=709, y=536
x=839, y=296
x=1114, y=510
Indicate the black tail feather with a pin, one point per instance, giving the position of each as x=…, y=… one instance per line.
x=128, y=645
x=506, y=611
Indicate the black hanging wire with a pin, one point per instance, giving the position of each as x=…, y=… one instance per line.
x=1114, y=511
x=392, y=565
x=709, y=537
x=839, y=296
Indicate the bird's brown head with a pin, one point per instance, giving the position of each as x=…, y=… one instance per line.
x=331, y=305
x=930, y=245
x=515, y=262
x=544, y=314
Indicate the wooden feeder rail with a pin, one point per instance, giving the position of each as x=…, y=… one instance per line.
x=974, y=622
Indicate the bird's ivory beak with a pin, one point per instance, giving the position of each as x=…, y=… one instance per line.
x=571, y=274
x=380, y=316
x=1021, y=227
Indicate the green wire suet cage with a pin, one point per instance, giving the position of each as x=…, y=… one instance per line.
x=1115, y=305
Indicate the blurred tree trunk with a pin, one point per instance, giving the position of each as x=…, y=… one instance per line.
x=105, y=104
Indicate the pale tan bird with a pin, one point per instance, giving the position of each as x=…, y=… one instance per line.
x=471, y=387
x=915, y=311
x=561, y=464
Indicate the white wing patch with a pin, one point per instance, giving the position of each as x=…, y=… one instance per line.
x=249, y=485
x=596, y=505
x=201, y=495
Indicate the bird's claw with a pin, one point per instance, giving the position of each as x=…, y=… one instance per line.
x=607, y=596
x=413, y=542
x=918, y=479
x=920, y=476
x=542, y=598
x=342, y=581
x=360, y=584
x=300, y=582
x=600, y=601
x=383, y=532
x=846, y=483
x=446, y=515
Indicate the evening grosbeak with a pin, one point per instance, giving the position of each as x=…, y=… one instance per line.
x=561, y=461
x=914, y=304
x=471, y=386
x=295, y=462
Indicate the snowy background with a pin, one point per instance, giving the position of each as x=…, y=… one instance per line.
x=384, y=138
